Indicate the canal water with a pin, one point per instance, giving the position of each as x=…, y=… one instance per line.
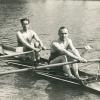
x=80, y=17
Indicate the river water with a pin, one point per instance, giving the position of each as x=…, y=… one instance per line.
x=46, y=16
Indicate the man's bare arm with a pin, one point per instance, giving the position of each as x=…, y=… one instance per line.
x=37, y=39
x=64, y=51
x=75, y=51
x=25, y=43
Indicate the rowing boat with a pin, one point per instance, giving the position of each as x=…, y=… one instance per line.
x=90, y=82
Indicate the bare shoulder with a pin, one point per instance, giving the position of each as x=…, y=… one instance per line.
x=69, y=40
x=19, y=34
x=32, y=32
x=55, y=43
x=20, y=31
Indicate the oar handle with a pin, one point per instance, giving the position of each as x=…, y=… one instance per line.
x=94, y=60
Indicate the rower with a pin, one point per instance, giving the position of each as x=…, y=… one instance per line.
x=63, y=50
x=25, y=39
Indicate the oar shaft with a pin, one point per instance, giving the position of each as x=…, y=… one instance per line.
x=31, y=67
x=65, y=63
x=14, y=63
x=44, y=66
x=15, y=71
x=16, y=54
x=40, y=67
x=76, y=48
x=55, y=65
x=94, y=60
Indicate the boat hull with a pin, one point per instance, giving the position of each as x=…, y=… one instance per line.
x=93, y=87
x=90, y=83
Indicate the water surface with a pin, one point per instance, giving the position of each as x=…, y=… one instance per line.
x=46, y=16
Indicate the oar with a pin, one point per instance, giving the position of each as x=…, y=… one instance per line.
x=15, y=71
x=27, y=52
x=58, y=64
x=93, y=60
x=87, y=47
x=16, y=54
x=66, y=63
x=24, y=69
x=29, y=68
x=42, y=67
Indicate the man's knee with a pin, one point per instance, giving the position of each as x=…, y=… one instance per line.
x=36, y=45
x=64, y=58
x=59, y=59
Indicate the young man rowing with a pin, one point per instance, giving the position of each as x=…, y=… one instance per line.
x=63, y=50
x=25, y=39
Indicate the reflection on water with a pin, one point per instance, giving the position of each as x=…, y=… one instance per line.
x=81, y=18
x=58, y=92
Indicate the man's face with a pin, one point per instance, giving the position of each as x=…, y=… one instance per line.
x=63, y=34
x=25, y=24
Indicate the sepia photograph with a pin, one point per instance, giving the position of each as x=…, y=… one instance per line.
x=49, y=50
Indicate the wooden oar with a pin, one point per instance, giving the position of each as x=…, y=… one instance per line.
x=15, y=71
x=87, y=47
x=93, y=60
x=16, y=54
x=22, y=70
x=66, y=63
x=55, y=65
x=41, y=67
x=28, y=68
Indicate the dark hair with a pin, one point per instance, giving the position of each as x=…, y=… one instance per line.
x=24, y=19
x=62, y=27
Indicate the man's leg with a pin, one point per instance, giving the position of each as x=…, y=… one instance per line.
x=37, y=54
x=66, y=68
x=30, y=56
x=75, y=70
x=74, y=67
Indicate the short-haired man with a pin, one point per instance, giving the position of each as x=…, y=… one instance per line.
x=25, y=39
x=60, y=53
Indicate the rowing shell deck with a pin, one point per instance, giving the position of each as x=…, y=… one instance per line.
x=90, y=83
